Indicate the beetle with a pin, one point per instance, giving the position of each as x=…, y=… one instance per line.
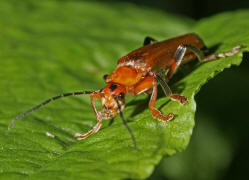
x=138, y=72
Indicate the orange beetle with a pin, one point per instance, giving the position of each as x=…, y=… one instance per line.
x=137, y=73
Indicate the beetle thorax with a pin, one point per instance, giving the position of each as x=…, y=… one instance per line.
x=125, y=75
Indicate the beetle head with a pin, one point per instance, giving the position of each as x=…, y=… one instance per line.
x=113, y=95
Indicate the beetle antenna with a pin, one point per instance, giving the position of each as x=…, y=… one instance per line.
x=125, y=124
x=46, y=102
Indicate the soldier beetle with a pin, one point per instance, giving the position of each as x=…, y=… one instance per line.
x=138, y=72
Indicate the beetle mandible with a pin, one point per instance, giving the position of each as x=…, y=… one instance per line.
x=137, y=73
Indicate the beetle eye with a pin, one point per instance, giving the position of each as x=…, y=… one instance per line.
x=105, y=76
x=113, y=87
x=121, y=96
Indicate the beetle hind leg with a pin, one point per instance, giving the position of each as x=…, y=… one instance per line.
x=223, y=54
x=174, y=97
x=181, y=51
x=179, y=54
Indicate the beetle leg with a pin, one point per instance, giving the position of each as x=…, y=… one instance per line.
x=200, y=55
x=221, y=55
x=148, y=40
x=143, y=86
x=180, y=52
x=99, y=119
x=155, y=112
x=168, y=92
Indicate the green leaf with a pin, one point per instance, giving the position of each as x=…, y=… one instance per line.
x=51, y=47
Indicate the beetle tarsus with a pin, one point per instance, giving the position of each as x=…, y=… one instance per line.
x=80, y=136
x=158, y=115
x=92, y=131
x=179, y=98
x=222, y=54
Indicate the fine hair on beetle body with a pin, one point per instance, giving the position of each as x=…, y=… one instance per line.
x=139, y=72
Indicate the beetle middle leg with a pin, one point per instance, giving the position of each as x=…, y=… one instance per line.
x=149, y=40
x=149, y=83
x=155, y=112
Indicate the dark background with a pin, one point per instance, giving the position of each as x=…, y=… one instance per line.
x=195, y=9
x=219, y=146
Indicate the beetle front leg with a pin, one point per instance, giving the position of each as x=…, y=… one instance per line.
x=155, y=112
x=99, y=120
